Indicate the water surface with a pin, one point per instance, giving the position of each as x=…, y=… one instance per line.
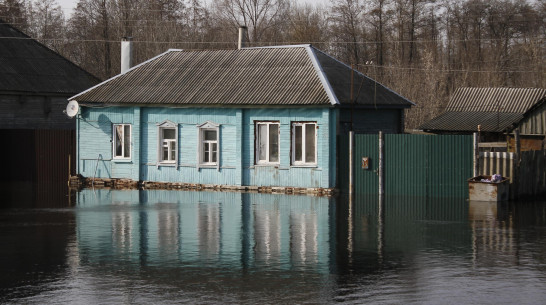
x=171, y=247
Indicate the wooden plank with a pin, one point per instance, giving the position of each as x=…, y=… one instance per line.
x=492, y=144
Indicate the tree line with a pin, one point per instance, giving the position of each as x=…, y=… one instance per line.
x=422, y=49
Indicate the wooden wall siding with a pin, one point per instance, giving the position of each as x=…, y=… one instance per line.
x=188, y=138
x=285, y=174
x=34, y=112
x=535, y=123
x=236, y=146
x=189, y=226
x=528, y=180
x=532, y=173
x=371, y=121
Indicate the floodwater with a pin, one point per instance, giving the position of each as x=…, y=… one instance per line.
x=172, y=247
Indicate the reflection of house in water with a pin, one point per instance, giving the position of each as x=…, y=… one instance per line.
x=232, y=230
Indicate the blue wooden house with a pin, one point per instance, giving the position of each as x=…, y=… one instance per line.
x=248, y=117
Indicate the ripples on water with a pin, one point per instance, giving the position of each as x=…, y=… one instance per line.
x=130, y=247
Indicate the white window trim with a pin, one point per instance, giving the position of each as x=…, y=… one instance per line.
x=257, y=141
x=293, y=143
x=208, y=125
x=114, y=141
x=166, y=125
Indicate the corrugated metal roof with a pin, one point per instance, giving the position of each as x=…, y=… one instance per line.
x=516, y=100
x=495, y=109
x=469, y=121
x=366, y=91
x=285, y=75
x=28, y=66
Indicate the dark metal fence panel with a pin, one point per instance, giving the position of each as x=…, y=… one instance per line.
x=450, y=163
x=366, y=180
x=405, y=165
x=343, y=163
x=415, y=165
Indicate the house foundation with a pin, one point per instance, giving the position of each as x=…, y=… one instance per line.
x=80, y=182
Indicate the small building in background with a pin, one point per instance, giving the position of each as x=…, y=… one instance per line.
x=265, y=116
x=498, y=112
x=37, y=138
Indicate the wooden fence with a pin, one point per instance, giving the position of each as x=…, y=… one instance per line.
x=527, y=173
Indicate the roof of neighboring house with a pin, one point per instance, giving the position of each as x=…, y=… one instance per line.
x=28, y=66
x=284, y=75
x=495, y=109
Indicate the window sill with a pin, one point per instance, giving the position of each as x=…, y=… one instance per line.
x=305, y=166
x=167, y=164
x=267, y=165
x=122, y=160
x=208, y=166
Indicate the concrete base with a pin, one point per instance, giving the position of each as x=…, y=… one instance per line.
x=83, y=182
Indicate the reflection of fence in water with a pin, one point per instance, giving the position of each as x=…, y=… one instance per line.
x=493, y=232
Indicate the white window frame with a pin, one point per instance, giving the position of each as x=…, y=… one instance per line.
x=295, y=162
x=115, y=142
x=267, y=149
x=208, y=126
x=162, y=143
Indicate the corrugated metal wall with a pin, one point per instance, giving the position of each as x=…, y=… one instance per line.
x=53, y=150
x=415, y=165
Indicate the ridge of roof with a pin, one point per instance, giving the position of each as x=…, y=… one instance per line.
x=279, y=47
x=322, y=75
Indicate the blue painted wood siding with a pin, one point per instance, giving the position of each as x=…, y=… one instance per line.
x=236, y=151
x=285, y=174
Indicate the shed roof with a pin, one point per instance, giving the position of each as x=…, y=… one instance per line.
x=495, y=109
x=284, y=75
x=28, y=66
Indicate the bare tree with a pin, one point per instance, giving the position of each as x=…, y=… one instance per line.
x=47, y=23
x=262, y=17
x=15, y=13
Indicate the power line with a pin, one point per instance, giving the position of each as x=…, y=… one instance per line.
x=335, y=42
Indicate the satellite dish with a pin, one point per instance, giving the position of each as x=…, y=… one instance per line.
x=72, y=108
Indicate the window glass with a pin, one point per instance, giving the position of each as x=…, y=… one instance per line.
x=173, y=150
x=127, y=141
x=118, y=141
x=168, y=144
x=274, y=143
x=122, y=141
x=214, y=151
x=309, y=143
x=262, y=142
x=168, y=133
x=304, y=143
x=298, y=143
x=208, y=149
x=210, y=135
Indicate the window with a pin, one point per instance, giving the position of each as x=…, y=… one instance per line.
x=267, y=142
x=122, y=141
x=168, y=143
x=304, y=143
x=208, y=151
